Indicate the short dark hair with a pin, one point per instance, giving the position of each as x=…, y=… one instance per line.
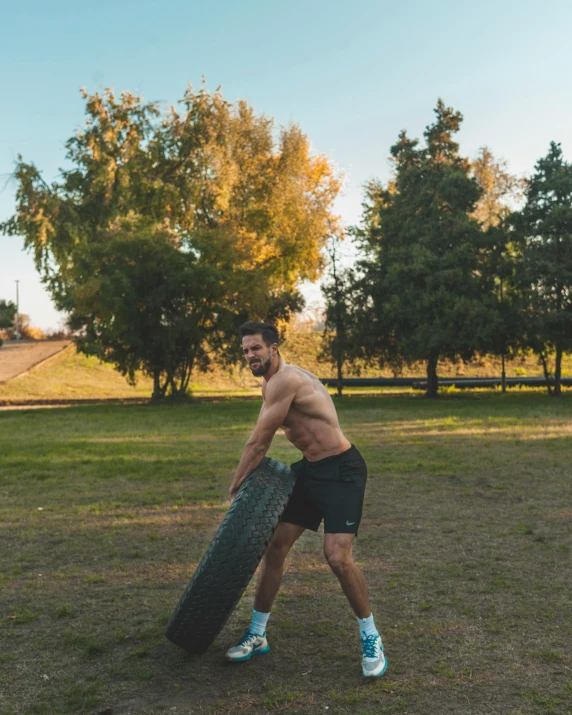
x=268, y=331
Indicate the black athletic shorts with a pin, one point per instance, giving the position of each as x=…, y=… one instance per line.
x=331, y=489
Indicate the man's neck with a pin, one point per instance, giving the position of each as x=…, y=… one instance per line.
x=273, y=369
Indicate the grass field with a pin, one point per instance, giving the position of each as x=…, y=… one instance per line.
x=465, y=543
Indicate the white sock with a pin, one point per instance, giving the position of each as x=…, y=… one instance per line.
x=259, y=621
x=367, y=626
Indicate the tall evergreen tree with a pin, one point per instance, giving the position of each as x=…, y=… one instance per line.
x=545, y=227
x=428, y=292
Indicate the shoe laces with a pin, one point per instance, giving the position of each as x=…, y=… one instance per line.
x=369, y=646
x=247, y=638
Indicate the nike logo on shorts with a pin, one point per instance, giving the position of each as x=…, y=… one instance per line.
x=350, y=523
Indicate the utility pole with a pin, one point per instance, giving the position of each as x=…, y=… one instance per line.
x=17, y=310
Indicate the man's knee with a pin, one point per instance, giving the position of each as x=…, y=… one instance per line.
x=277, y=550
x=339, y=557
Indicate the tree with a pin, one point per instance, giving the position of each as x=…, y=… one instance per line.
x=205, y=199
x=544, y=225
x=147, y=306
x=426, y=286
x=500, y=192
x=500, y=265
x=7, y=315
x=341, y=339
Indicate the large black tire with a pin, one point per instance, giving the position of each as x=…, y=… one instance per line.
x=231, y=560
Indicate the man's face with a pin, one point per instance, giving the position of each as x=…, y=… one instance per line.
x=258, y=356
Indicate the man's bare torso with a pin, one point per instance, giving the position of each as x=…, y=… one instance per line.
x=311, y=424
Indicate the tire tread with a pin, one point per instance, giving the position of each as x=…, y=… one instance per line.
x=232, y=557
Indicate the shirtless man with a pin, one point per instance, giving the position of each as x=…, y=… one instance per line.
x=330, y=486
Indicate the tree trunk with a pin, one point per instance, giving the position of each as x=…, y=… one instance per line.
x=432, y=379
x=340, y=364
x=157, y=391
x=558, y=372
x=503, y=375
x=185, y=377
x=172, y=385
x=546, y=373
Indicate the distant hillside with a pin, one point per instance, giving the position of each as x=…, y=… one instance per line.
x=18, y=356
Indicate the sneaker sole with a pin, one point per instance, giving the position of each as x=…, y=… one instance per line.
x=262, y=651
x=377, y=675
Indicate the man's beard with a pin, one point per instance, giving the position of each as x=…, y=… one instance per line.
x=259, y=370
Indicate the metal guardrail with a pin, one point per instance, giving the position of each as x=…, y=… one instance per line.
x=420, y=383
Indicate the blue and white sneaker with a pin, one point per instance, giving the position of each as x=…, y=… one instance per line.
x=250, y=644
x=373, y=662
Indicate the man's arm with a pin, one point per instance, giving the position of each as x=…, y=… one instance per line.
x=279, y=395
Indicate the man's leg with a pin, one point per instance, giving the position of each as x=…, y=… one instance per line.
x=338, y=553
x=272, y=567
x=269, y=579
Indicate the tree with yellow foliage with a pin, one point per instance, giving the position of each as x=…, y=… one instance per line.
x=170, y=228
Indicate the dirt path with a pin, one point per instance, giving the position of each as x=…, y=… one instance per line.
x=17, y=357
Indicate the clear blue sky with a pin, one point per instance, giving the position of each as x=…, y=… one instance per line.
x=352, y=74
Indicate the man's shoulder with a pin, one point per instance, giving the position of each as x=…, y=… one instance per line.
x=289, y=377
x=300, y=373
x=283, y=378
